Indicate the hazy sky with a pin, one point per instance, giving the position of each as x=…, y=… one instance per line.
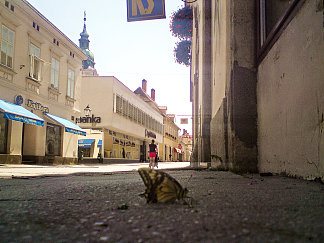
x=130, y=51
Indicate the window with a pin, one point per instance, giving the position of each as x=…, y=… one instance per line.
x=35, y=26
x=273, y=17
x=35, y=62
x=7, y=3
x=118, y=104
x=55, y=71
x=70, y=91
x=7, y=46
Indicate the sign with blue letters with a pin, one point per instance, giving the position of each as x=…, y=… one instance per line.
x=138, y=10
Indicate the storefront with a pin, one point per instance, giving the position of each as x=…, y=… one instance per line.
x=12, y=125
x=36, y=136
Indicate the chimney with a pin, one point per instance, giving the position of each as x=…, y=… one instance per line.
x=144, y=85
x=171, y=116
x=163, y=109
x=153, y=94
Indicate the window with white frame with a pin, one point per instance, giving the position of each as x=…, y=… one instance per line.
x=70, y=88
x=7, y=46
x=55, y=71
x=35, y=62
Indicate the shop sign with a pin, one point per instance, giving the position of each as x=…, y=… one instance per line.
x=88, y=119
x=37, y=106
x=138, y=10
x=150, y=134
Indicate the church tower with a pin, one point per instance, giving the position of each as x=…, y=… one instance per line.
x=89, y=63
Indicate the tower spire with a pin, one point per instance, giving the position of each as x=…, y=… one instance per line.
x=84, y=45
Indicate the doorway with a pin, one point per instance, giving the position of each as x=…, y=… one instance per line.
x=53, y=140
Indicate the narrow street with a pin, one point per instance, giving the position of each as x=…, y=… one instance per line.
x=20, y=170
x=106, y=207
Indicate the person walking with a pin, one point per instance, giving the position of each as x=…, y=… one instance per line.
x=152, y=150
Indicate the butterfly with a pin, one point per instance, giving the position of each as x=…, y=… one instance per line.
x=161, y=187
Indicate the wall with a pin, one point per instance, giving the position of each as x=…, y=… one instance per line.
x=234, y=112
x=221, y=13
x=291, y=98
x=15, y=137
x=70, y=145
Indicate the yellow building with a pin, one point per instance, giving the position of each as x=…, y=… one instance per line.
x=39, y=88
x=169, y=149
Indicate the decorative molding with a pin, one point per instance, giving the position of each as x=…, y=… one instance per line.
x=53, y=94
x=6, y=73
x=32, y=85
x=9, y=17
x=69, y=101
x=35, y=36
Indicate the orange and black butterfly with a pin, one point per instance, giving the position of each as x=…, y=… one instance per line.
x=161, y=187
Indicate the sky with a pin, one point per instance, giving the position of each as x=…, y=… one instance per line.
x=130, y=51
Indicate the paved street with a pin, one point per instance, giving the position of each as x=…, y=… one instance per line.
x=20, y=170
x=105, y=207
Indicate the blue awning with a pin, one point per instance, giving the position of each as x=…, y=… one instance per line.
x=99, y=145
x=69, y=126
x=85, y=143
x=18, y=113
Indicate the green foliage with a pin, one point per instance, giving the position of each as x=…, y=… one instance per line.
x=181, y=23
x=182, y=52
x=181, y=27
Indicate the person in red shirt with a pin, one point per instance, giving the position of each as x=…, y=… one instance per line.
x=153, y=149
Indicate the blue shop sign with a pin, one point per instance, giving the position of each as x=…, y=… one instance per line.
x=138, y=10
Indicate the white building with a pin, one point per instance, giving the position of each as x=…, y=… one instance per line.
x=127, y=122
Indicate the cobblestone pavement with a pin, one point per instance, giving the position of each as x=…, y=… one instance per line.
x=103, y=207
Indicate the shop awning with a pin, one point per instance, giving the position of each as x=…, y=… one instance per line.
x=19, y=113
x=69, y=126
x=85, y=143
x=177, y=150
x=99, y=144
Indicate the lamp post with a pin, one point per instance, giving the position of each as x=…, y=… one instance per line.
x=189, y=1
x=87, y=111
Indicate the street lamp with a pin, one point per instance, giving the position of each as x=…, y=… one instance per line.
x=189, y=1
x=87, y=111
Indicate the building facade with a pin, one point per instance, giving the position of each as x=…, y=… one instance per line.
x=185, y=146
x=39, y=88
x=257, y=82
x=127, y=123
x=168, y=151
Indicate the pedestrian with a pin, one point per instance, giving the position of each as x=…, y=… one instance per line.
x=152, y=155
x=123, y=153
x=157, y=160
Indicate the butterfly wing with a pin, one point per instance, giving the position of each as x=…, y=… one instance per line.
x=160, y=186
x=169, y=190
x=151, y=178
